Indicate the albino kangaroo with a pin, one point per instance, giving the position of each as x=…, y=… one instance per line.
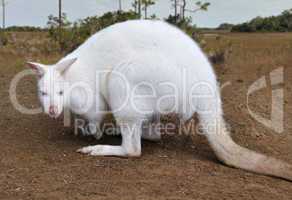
x=138, y=70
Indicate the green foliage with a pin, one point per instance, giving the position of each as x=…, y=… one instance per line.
x=70, y=36
x=202, y=6
x=280, y=23
x=146, y=4
x=63, y=35
x=225, y=26
x=24, y=29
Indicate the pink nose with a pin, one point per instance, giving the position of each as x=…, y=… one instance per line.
x=53, y=110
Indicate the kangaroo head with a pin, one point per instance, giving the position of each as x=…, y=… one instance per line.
x=51, y=85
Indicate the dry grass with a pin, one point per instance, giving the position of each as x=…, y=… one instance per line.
x=38, y=159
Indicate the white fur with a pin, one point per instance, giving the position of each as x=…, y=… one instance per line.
x=140, y=51
x=154, y=58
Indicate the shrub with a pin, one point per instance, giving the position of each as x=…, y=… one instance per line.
x=71, y=35
x=225, y=26
x=280, y=23
x=3, y=39
x=24, y=29
x=220, y=54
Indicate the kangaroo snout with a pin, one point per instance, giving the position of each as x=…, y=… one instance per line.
x=53, y=110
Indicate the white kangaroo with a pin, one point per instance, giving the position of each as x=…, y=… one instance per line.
x=145, y=68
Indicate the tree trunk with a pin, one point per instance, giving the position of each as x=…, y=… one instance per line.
x=4, y=15
x=60, y=14
x=175, y=11
x=139, y=8
x=183, y=9
x=146, y=7
x=60, y=26
x=175, y=7
x=135, y=5
x=120, y=5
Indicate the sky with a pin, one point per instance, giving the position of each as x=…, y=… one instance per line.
x=36, y=12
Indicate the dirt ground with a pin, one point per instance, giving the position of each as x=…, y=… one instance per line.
x=38, y=158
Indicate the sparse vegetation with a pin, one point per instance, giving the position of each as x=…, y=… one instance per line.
x=65, y=35
x=3, y=39
x=280, y=23
x=72, y=35
x=225, y=26
x=145, y=5
x=220, y=53
x=25, y=29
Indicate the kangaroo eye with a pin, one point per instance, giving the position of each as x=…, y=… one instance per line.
x=44, y=93
x=61, y=93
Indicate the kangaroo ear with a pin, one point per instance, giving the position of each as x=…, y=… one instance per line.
x=38, y=68
x=64, y=65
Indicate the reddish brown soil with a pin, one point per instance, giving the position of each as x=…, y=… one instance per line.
x=38, y=158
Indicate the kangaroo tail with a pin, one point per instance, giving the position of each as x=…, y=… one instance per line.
x=236, y=156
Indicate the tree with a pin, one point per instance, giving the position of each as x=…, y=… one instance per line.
x=60, y=21
x=135, y=6
x=225, y=26
x=3, y=4
x=138, y=7
x=183, y=9
x=60, y=14
x=146, y=4
x=60, y=35
x=175, y=5
x=280, y=23
x=120, y=6
x=256, y=24
x=74, y=34
x=199, y=6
